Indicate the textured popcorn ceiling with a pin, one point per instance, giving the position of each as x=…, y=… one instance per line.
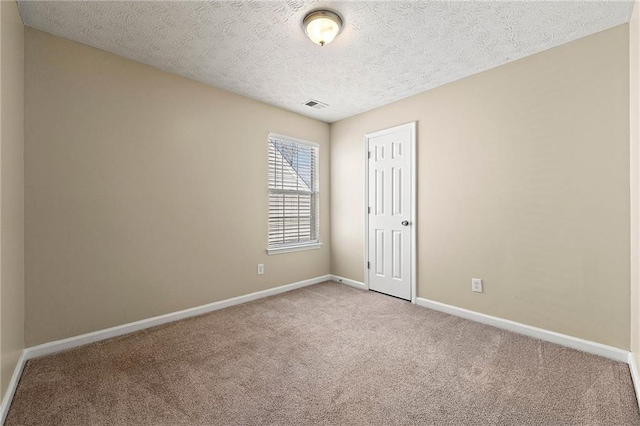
x=387, y=50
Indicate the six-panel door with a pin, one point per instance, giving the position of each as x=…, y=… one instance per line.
x=390, y=213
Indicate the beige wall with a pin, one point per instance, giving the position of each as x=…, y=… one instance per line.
x=11, y=190
x=634, y=128
x=523, y=180
x=146, y=193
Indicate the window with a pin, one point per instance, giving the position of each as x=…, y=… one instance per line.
x=293, y=195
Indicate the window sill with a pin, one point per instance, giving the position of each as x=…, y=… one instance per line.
x=292, y=248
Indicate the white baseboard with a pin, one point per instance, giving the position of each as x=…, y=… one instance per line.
x=347, y=281
x=635, y=376
x=11, y=390
x=83, y=339
x=96, y=336
x=594, y=348
x=610, y=352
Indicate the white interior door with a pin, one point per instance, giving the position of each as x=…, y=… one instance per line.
x=391, y=240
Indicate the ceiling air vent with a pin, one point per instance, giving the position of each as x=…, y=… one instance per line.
x=315, y=104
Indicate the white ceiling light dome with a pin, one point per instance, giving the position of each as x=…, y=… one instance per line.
x=322, y=26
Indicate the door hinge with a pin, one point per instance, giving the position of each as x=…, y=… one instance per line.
x=369, y=154
x=369, y=210
x=368, y=265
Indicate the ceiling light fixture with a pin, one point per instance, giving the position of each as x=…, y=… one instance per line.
x=322, y=26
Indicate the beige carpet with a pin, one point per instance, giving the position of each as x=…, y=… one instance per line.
x=326, y=354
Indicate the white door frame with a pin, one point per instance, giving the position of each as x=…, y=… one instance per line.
x=414, y=199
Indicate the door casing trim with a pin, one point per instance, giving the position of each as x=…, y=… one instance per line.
x=412, y=127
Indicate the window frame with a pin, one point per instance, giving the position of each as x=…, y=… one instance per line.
x=315, y=209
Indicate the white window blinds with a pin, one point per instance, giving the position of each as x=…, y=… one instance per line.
x=293, y=192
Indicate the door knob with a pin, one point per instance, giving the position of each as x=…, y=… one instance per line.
x=405, y=223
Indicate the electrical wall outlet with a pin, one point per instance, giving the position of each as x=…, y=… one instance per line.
x=476, y=285
x=260, y=268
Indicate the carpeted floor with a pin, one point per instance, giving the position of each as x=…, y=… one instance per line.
x=326, y=354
